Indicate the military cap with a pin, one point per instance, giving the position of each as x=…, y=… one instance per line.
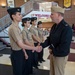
x=33, y=18
x=13, y=10
x=39, y=22
x=57, y=9
x=26, y=19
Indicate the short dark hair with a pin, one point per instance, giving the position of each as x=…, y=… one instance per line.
x=11, y=15
x=39, y=22
x=24, y=20
x=33, y=19
x=12, y=11
x=23, y=23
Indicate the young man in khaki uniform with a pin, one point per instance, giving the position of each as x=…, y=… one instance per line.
x=16, y=41
x=36, y=39
x=28, y=40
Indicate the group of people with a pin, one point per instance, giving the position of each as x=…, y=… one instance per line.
x=73, y=29
x=27, y=46
x=33, y=36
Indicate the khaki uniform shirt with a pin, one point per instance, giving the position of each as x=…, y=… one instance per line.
x=41, y=35
x=27, y=35
x=34, y=31
x=14, y=35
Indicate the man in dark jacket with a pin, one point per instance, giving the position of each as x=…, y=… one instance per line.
x=58, y=41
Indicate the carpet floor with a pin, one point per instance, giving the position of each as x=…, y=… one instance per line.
x=71, y=57
x=72, y=45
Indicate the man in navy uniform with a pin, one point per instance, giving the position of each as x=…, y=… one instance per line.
x=58, y=41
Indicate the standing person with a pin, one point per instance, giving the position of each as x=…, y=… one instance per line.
x=41, y=36
x=28, y=40
x=16, y=41
x=58, y=41
x=73, y=28
x=36, y=39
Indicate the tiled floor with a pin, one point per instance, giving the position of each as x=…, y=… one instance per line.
x=69, y=70
x=5, y=59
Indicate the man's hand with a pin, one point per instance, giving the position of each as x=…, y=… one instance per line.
x=38, y=48
x=38, y=44
x=50, y=50
x=25, y=54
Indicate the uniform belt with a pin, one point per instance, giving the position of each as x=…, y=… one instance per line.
x=16, y=50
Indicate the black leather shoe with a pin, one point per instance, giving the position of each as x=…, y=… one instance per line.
x=36, y=67
x=43, y=60
x=38, y=64
x=40, y=61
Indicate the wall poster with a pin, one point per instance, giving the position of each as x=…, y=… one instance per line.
x=67, y=4
x=10, y=3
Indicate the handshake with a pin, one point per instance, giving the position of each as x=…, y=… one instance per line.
x=37, y=49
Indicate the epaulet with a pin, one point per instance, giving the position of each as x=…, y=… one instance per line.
x=65, y=24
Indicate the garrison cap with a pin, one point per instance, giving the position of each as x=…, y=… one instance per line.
x=13, y=10
x=57, y=9
x=33, y=18
x=26, y=19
